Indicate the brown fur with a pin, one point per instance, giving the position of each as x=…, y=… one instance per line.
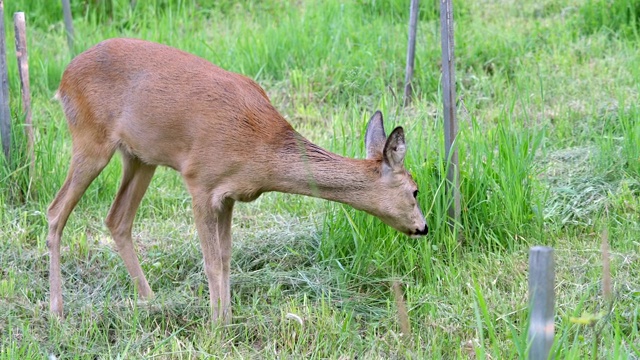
x=161, y=106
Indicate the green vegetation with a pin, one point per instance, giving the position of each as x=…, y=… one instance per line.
x=550, y=155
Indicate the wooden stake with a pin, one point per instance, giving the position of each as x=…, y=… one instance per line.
x=606, y=266
x=403, y=315
x=23, y=69
x=541, y=302
x=5, y=113
x=68, y=25
x=411, y=52
x=449, y=101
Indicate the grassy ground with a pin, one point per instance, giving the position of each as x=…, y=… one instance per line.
x=550, y=150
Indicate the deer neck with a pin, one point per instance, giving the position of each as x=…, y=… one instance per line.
x=306, y=169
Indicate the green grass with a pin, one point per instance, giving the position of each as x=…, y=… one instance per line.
x=549, y=145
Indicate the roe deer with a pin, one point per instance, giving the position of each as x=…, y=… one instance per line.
x=161, y=106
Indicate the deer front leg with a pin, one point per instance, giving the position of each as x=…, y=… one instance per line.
x=213, y=222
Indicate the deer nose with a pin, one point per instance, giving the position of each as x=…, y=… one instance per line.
x=424, y=231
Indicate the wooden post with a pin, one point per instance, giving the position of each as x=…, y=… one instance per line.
x=411, y=51
x=403, y=314
x=541, y=302
x=5, y=113
x=606, y=266
x=449, y=101
x=68, y=25
x=23, y=69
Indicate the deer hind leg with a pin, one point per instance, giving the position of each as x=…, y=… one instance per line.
x=136, y=177
x=87, y=162
x=213, y=222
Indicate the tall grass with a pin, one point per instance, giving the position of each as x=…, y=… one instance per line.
x=501, y=201
x=617, y=16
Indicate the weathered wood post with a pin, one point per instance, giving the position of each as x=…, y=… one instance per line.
x=411, y=51
x=403, y=314
x=449, y=101
x=68, y=25
x=23, y=70
x=541, y=302
x=5, y=113
x=606, y=266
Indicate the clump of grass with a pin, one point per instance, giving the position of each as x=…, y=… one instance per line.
x=502, y=201
x=618, y=16
x=576, y=194
x=584, y=180
x=631, y=138
x=399, y=10
x=16, y=171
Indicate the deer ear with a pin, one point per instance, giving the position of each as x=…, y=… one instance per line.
x=395, y=149
x=374, y=137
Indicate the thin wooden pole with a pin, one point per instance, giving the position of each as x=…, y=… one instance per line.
x=5, y=113
x=403, y=315
x=541, y=302
x=23, y=70
x=68, y=24
x=411, y=51
x=606, y=266
x=449, y=101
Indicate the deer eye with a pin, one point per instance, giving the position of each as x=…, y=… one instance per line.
x=415, y=194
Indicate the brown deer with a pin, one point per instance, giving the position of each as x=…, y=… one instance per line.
x=161, y=106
